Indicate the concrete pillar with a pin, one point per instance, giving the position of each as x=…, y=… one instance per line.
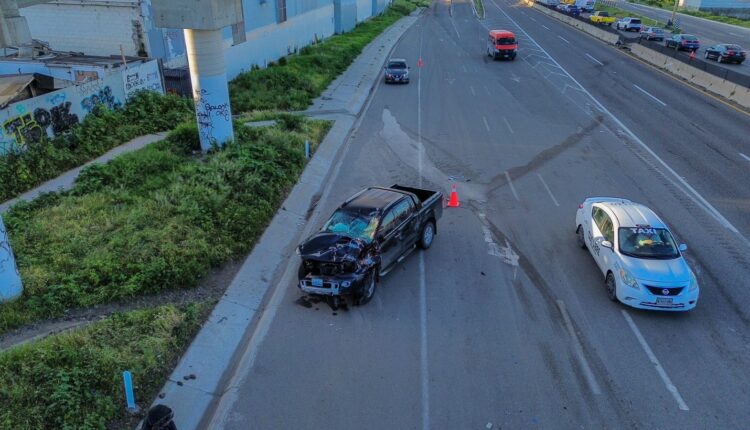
x=14, y=30
x=205, y=52
x=10, y=280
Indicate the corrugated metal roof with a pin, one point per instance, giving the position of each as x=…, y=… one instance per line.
x=11, y=86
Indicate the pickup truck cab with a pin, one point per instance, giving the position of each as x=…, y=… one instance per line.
x=629, y=24
x=364, y=238
x=602, y=17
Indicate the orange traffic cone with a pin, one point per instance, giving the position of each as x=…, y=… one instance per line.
x=453, y=202
x=692, y=55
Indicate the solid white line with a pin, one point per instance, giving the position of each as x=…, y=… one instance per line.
x=548, y=190
x=590, y=379
x=687, y=189
x=744, y=156
x=464, y=67
x=487, y=90
x=649, y=94
x=659, y=369
x=455, y=28
x=487, y=126
x=734, y=34
x=542, y=24
x=472, y=90
x=508, y=124
x=532, y=18
x=425, y=369
x=564, y=39
x=512, y=188
x=595, y=60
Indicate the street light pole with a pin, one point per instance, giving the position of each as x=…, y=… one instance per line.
x=674, y=11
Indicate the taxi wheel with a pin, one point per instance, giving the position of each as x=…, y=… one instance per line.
x=611, y=287
x=579, y=236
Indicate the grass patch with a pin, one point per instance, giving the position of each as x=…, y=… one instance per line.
x=152, y=220
x=99, y=132
x=479, y=6
x=669, y=5
x=620, y=13
x=294, y=81
x=74, y=379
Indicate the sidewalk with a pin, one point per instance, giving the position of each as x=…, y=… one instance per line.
x=213, y=355
x=66, y=180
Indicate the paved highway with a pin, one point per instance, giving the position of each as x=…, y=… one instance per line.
x=708, y=32
x=504, y=322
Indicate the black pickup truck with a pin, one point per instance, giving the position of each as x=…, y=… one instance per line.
x=368, y=234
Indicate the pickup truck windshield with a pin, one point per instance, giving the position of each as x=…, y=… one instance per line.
x=647, y=242
x=352, y=225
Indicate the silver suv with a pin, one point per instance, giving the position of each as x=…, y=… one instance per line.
x=628, y=24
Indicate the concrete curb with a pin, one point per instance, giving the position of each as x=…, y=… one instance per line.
x=714, y=84
x=214, y=353
x=65, y=181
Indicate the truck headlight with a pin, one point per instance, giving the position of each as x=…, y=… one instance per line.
x=693, y=282
x=628, y=279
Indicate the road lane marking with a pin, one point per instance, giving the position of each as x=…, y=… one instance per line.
x=532, y=18
x=590, y=379
x=659, y=369
x=554, y=200
x=472, y=90
x=564, y=39
x=595, y=60
x=744, y=156
x=455, y=28
x=487, y=126
x=545, y=26
x=687, y=189
x=649, y=94
x=464, y=67
x=423, y=346
x=734, y=34
x=487, y=90
x=512, y=188
x=508, y=125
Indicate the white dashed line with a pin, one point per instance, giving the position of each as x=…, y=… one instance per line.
x=659, y=369
x=564, y=39
x=744, y=156
x=486, y=125
x=554, y=200
x=649, y=94
x=508, y=124
x=472, y=91
x=595, y=60
x=532, y=18
x=545, y=26
x=512, y=188
x=590, y=379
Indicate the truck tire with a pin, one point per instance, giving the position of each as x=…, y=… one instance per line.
x=368, y=290
x=427, y=235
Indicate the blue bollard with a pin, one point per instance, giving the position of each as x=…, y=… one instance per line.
x=307, y=149
x=129, y=396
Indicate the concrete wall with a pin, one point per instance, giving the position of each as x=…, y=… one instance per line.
x=92, y=28
x=345, y=15
x=364, y=9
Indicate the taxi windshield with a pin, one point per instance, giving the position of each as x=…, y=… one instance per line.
x=353, y=225
x=647, y=242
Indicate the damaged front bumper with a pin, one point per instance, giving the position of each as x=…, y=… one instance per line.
x=343, y=284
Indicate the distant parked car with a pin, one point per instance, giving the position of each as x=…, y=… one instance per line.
x=628, y=24
x=725, y=53
x=586, y=6
x=683, y=42
x=572, y=10
x=561, y=7
x=652, y=33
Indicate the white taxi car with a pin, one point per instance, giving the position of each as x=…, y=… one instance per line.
x=641, y=264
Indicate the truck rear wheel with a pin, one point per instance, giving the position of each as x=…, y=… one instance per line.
x=427, y=235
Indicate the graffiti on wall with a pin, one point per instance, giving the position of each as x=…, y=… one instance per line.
x=210, y=115
x=55, y=113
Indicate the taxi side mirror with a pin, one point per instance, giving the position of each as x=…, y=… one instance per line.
x=606, y=244
x=682, y=247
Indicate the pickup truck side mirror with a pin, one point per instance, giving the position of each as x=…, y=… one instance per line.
x=606, y=244
x=683, y=247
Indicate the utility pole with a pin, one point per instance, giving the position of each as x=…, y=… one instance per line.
x=674, y=12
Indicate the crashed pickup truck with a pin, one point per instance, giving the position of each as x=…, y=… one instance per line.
x=364, y=238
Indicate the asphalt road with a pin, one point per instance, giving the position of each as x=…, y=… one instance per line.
x=708, y=32
x=504, y=322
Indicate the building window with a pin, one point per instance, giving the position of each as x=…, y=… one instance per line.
x=281, y=8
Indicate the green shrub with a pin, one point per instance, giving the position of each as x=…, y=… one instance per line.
x=99, y=132
x=152, y=220
x=74, y=380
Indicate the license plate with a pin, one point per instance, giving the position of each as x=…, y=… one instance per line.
x=664, y=301
x=319, y=282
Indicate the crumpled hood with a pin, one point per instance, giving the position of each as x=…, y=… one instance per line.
x=644, y=269
x=331, y=247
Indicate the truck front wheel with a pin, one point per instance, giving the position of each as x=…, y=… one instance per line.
x=368, y=289
x=427, y=235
